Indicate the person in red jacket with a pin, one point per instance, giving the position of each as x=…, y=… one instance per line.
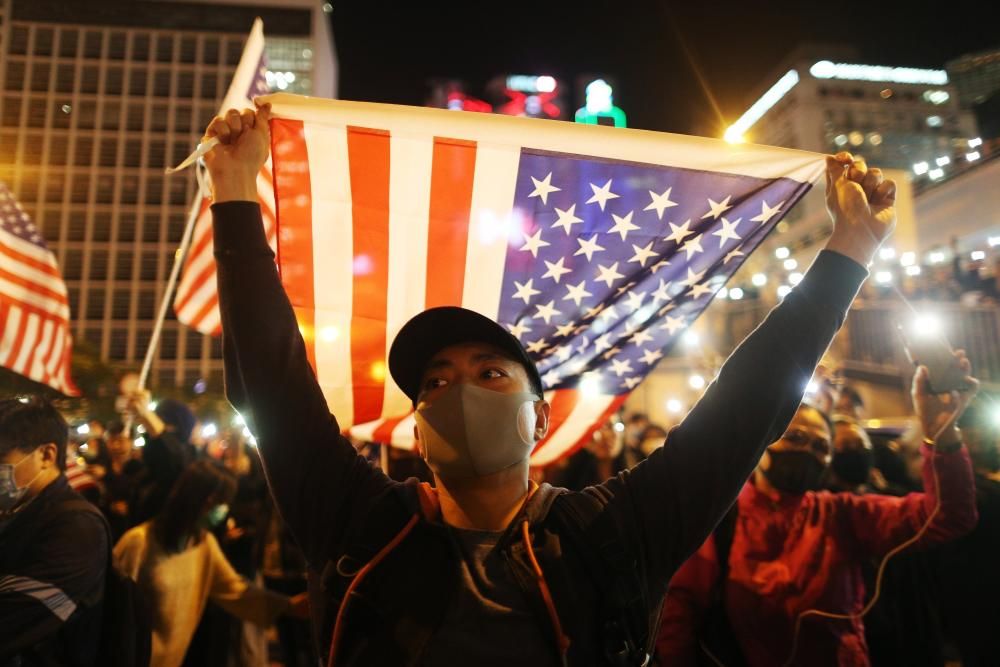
x=791, y=548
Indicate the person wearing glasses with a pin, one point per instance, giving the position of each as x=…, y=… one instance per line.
x=787, y=547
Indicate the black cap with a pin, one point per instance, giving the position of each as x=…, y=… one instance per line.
x=433, y=330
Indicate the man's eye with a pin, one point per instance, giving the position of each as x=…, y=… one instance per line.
x=434, y=383
x=493, y=374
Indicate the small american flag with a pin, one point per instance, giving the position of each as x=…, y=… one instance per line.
x=34, y=307
x=197, y=300
x=597, y=247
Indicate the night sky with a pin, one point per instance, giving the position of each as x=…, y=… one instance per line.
x=390, y=55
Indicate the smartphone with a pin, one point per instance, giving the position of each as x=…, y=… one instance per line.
x=943, y=371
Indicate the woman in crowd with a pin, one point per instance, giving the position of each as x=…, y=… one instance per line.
x=179, y=567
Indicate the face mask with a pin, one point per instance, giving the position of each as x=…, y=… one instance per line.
x=216, y=515
x=853, y=465
x=469, y=431
x=10, y=493
x=794, y=471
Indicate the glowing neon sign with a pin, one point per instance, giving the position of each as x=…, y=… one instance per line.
x=600, y=104
x=824, y=69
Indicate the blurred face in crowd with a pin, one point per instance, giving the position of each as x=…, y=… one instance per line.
x=653, y=438
x=120, y=446
x=796, y=462
x=852, y=453
x=607, y=442
x=30, y=472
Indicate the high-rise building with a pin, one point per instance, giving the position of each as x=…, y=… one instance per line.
x=96, y=98
x=821, y=99
x=976, y=76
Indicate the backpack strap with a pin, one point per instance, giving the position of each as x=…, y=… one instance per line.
x=598, y=538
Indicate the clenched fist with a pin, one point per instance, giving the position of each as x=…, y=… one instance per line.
x=244, y=141
x=862, y=205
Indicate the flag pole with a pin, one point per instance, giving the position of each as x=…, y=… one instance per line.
x=175, y=271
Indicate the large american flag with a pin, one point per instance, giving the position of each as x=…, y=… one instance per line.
x=197, y=301
x=597, y=247
x=34, y=307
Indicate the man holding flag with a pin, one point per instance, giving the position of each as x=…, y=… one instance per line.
x=486, y=567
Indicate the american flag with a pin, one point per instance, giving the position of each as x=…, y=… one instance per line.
x=34, y=307
x=197, y=300
x=597, y=247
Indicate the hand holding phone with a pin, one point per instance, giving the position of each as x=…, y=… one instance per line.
x=945, y=372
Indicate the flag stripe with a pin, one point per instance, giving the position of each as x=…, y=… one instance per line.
x=295, y=214
x=26, y=294
x=573, y=433
x=384, y=431
x=368, y=160
x=409, y=206
x=41, y=353
x=563, y=401
x=492, y=215
x=331, y=266
x=31, y=261
x=28, y=250
x=447, y=236
x=28, y=344
x=11, y=331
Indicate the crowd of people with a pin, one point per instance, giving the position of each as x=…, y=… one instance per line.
x=753, y=532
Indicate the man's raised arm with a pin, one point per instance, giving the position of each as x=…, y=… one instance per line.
x=684, y=488
x=322, y=487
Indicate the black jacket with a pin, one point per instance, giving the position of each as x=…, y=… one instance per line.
x=52, y=568
x=337, y=504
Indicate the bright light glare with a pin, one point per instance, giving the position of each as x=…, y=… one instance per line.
x=759, y=279
x=883, y=277
x=795, y=278
x=927, y=324
x=736, y=294
x=975, y=142
x=887, y=253
x=723, y=293
x=735, y=131
x=690, y=338
x=619, y=427
x=811, y=387
x=824, y=69
x=936, y=257
x=83, y=429
x=935, y=174
x=209, y=430
x=943, y=161
x=791, y=264
x=908, y=259
x=994, y=241
x=238, y=420
x=977, y=255
x=696, y=381
x=674, y=406
x=973, y=156
x=590, y=386
x=783, y=291
x=329, y=334
x=920, y=168
x=140, y=442
x=152, y=406
x=913, y=270
x=782, y=252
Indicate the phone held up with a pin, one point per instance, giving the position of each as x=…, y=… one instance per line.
x=930, y=349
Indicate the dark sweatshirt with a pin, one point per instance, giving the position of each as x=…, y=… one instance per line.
x=665, y=506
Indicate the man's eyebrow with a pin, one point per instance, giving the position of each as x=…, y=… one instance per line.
x=477, y=358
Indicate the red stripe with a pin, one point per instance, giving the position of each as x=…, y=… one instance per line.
x=18, y=342
x=368, y=160
x=384, y=431
x=293, y=199
x=32, y=286
x=37, y=264
x=589, y=433
x=563, y=402
x=452, y=173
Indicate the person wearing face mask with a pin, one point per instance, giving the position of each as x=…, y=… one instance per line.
x=485, y=567
x=179, y=567
x=53, y=555
x=969, y=570
x=788, y=547
x=852, y=459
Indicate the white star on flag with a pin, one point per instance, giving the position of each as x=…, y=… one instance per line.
x=642, y=254
x=563, y=352
x=718, y=208
x=630, y=383
x=621, y=367
x=700, y=289
x=577, y=293
x=679, y=232
x=659, y=265
x=551, y=378
x=660, y=202
x=546, y=311
x=767, y=212
x=588, y=248
x=734, y=253
x=608, y=274
x=567, y=219
x=650, y=356
x=692, y=278
x=623, y=225
x=727, y=232
x=607, y=315
x=691, y=246
x=537, y=346
x=555, y=269
x=566, y=329
x=634, y=300
x=602, y=194
x=661, y=292
x=519, y=329
x=533, y=242
x=602, y=343
x=641, y=337
x=525, y=291
x=543, y=188
x=672, y=324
